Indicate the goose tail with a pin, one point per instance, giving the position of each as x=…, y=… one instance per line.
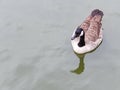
x=97, y=12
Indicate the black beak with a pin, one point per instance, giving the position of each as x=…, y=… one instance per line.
x=74, y=37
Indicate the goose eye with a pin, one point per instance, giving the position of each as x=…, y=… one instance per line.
x=78, y=31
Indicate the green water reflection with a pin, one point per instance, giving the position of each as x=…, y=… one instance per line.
x=81, y=67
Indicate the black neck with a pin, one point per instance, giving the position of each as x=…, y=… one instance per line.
x=82, y=41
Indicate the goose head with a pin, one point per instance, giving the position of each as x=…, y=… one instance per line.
x=79, y=33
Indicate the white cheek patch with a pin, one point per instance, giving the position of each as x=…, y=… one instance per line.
x=81, y=33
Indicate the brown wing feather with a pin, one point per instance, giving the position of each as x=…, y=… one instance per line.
x=85, y=25
x=94, y=15
x=93, y=31
x=92, y=25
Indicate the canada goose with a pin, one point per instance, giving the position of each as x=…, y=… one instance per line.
x=88, y=35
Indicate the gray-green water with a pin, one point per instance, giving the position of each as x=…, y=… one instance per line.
x=36, y=52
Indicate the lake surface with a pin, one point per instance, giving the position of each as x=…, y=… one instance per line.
x=36, y=52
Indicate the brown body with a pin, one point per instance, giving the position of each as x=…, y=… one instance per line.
x=93, y=31
x=85, y=25
x=92, y=25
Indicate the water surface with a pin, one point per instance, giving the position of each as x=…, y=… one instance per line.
x=36, y=52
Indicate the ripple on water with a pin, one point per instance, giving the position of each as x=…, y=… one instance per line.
x=4, y=55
